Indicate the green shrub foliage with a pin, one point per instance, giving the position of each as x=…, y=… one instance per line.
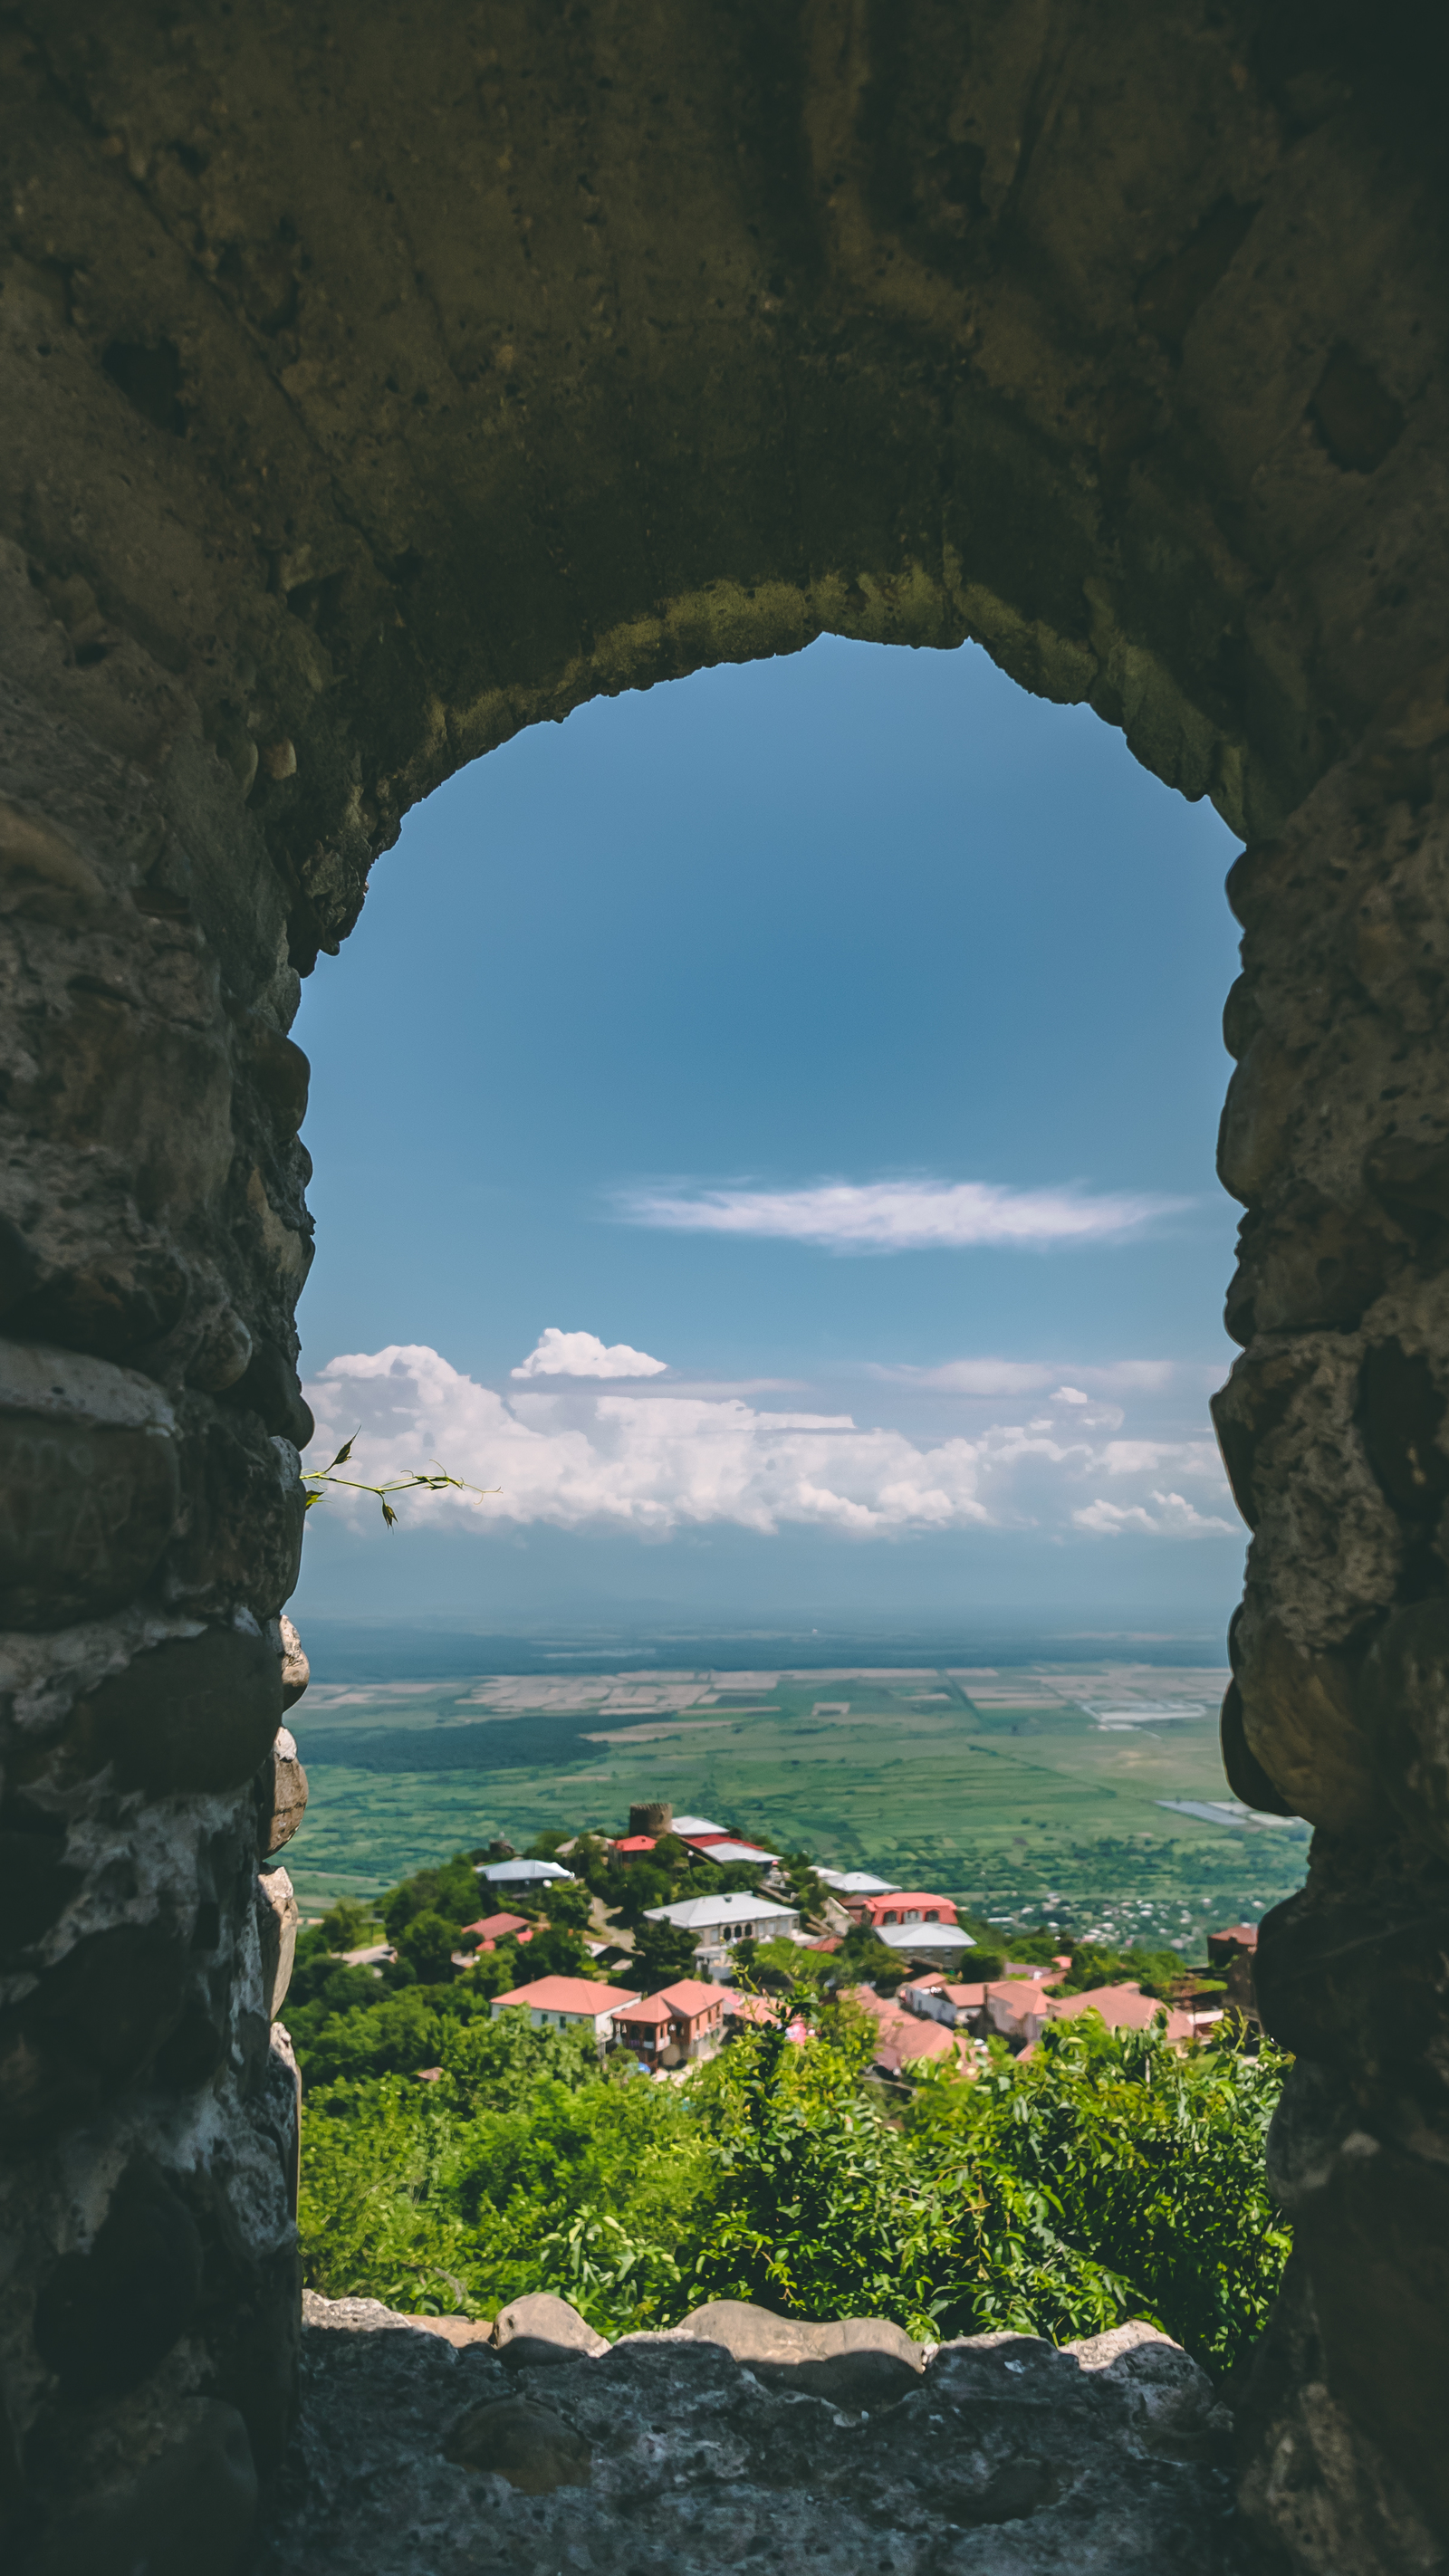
x=1104, y=2177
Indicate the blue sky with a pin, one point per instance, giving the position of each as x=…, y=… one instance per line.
x=830, y=1048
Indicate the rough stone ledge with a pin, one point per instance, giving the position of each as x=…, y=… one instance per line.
x=671, y=2455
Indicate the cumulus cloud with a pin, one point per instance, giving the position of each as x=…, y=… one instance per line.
x=655, y=1461
x=1171, y=1516
x=557, y=1354
x=904, y=1216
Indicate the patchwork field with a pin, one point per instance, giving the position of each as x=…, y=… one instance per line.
x=1085, y=1793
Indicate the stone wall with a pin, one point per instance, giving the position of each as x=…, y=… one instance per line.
x=741, y=2437
x=377, y=382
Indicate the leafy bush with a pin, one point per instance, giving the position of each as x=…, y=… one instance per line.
x=1107, y=2176
x=526, y=2166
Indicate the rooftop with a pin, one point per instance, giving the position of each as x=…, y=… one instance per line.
x=686, y=1825
x=893, y=1897
x=688, y=1996
x=703, y=1913
x=569, y=1995
x=718, y=1847
x=855, y=1882
x=651, y=2008
x=495, y=1927
x=521, y=1873
x=1121, y=2008
x=923, y=1936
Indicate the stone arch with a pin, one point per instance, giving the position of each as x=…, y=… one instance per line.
x=378, y=383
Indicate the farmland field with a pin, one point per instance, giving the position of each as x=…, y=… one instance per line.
x=1087, y=1793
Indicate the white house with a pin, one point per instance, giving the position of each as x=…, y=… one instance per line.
x=523, y=1873
x=856, y=1882
x=926, y=1940
x=568, y=2003
x=717, y=1922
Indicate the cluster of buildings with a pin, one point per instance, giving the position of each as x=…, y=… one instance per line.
x=932, y=2016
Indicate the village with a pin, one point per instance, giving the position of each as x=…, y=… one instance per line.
x=906, y=1959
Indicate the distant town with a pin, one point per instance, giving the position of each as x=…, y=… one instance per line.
x=742, y=1925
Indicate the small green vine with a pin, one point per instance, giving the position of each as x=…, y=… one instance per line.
x=316, y=1479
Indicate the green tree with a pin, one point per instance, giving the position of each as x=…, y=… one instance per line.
x=863, y=1959
x=663, y=1953
x=557, y=1951
x=427, y=1944
x=643, y=1886
x=569, y=1904
x=348, y=1925
x=451, y=1891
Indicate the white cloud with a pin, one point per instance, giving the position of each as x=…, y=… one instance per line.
x=655, y=1461
x=1069, y=1395
x=1173, y=1517
x=904, y=1216
x=557, y=1354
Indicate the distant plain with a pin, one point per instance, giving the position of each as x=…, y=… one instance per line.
x=1030, y=1792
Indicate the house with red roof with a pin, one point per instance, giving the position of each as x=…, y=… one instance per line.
x=892, y=1907
x=1121, y=2008
x=567, y=2003
x=682, y=2022
x=1016, y=2009
x=490, y=1929
x=904, y=2039
x=937, y=1999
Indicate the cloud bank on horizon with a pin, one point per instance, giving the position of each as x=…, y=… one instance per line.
x=905, y=1216
x=656, y=1461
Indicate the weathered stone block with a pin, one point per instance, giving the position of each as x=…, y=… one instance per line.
x=240, y=1546
x=107, y=2316
x=1263, y=1098
x=1315, y=2490
x=281, y=1794
x=195, y=1715
x=1301, y=1726
x=270, y=1389
x=1249, y=1410
x=88, y=2026
x=115, y=1301
x=529, y=2445
x=252, y=2344
x=193, y=2509
x=1403, y=1698
x=278, y=1919
x=851, y=2361
x=541, y=2328
x=84, y=1517
x=1400, y=1414
x=1376, y=2245
x=1246, y=1776
x=296, y=1671
x=1357, y=1978
x=88, y=1485
x=111, y=1078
